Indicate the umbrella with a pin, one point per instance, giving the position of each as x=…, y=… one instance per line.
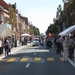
x=5, y=30
x=25, y=34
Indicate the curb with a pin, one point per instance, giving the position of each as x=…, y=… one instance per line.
x=15, y=49
x=70, y=61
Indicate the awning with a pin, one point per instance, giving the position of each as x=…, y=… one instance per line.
x=67, y=31
x=25, y=34
x=5, y=30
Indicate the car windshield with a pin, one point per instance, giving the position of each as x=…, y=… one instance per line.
x=36, y=39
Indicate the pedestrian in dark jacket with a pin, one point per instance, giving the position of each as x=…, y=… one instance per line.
x=7, y=43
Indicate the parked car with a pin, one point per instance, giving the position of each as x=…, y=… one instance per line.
x=36, y=42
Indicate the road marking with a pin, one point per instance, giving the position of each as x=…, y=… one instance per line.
x=11, y=60
x=50, y=59
x=23, y=59
x=62, y=59
x=71, y=62
x=37, y=59
x=28, y=64
x=1, y=59
x=18, y=48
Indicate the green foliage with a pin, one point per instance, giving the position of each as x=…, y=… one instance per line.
x=62, y=16
x=51, y=29
x=31, y=29
x=12, y=16
x=36, y=31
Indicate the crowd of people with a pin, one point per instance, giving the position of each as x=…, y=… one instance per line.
x=5, y=44
x=49, y=41
x=24, y=41
x=64, y=44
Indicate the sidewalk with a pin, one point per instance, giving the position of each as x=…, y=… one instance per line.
x=14, y=49
x=70, y=61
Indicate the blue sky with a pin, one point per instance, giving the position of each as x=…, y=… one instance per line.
x=39, y=12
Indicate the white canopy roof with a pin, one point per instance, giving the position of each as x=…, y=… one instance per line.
x=5, y=30
x=67, y=31
x=25, y=34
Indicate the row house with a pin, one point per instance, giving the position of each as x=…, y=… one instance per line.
x=23, y=25
x=22, y=22
x=3, y=12
x=5, y=29
x=27, y=25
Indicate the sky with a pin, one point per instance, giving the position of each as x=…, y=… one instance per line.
x=39, y=12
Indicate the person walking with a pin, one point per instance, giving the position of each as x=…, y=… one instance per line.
x=60, y=41
x=9, y=47
x=49, y=42
x=58, y=45
x=22, y=41
x=18, y=42
x=71, y=42
x=74, y=47
x=0, y=46
x=65, y=48
x=7, y=43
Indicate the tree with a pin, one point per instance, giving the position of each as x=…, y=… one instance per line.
x=64, y=18
x=69, y=10
x=12, y=20
x=36, y=31
x=12, y=16
x=31, y=29
x=52, y=28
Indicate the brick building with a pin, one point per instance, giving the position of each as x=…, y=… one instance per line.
x=3, y=12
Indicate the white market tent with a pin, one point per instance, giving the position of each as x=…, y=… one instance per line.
x=5, y=30
x=67, y=31
x=25, y=35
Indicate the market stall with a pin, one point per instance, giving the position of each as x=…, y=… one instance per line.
x=5, y=30
x=67, y=31
x=23, y=35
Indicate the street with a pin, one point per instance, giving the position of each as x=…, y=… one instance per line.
x=26, y=27
x=35, y=61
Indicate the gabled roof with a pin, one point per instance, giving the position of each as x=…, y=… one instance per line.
x=4, y=4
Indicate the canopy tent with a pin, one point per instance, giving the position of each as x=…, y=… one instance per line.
x=67, y=31
x=25, y=34
x=5, y=30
